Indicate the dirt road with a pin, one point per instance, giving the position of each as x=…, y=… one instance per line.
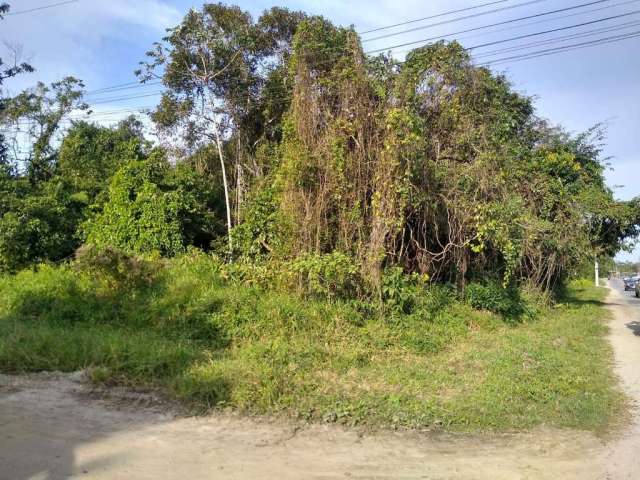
x=52, y=427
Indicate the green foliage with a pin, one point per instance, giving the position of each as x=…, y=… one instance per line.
x=139, y=216
x=260, y=233
x=43, y=107
x=39, y=224
x=90, y=155
x=153, y=207
x=113, y=268
x=495, y=298
x=401, y=292
x=333, y=275
x=440, y=169
x=433, y=165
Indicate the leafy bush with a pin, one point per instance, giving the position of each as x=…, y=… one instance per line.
x=493, y=297
x=268, y=274
x=39, y=226
x=401, y=292
x=260, y=232
x=155, y=207
x=332, y=275
x=90, y=154
x=115, y=268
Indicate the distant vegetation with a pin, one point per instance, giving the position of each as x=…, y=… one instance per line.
x=316, y=230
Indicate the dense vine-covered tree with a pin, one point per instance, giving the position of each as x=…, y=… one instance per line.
x=434, y=165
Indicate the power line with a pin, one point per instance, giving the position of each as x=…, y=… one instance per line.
x=482, y=27
x=44, y=7
x=507, y=40
x=577, y=46
x=131, y=85
x=559, y=39
x=537, y=22
x=123, y=86
x=135, y=85
x=443, y=14
x=455, y=20
x=521, y=57
x=544, y=32
x=126, y=97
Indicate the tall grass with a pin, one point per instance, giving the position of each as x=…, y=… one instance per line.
x=212, y=341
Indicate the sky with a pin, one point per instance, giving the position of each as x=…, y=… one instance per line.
x=102, y=41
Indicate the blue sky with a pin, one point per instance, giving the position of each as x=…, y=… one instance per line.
x=101, y=41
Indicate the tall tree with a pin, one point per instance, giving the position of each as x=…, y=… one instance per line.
x=214, y=66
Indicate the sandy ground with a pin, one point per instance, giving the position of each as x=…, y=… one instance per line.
x=54, y=426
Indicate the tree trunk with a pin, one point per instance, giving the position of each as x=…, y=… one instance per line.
x=226, y=188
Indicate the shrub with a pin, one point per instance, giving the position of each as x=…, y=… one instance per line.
x=332, y=275
x=492, y=296
x=116, y=269
x=39, y=226
x=153, y=206
x=400, y=292
x=260, y=233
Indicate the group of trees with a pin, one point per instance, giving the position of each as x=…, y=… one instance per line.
x=106, y=186
x=279, y=138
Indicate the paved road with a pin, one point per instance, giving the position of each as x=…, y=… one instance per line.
x=622, y=459
x=52, y=427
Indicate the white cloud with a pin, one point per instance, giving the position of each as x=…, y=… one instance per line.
x=149, y=14
x=82, y=38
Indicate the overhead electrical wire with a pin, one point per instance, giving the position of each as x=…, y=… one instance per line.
x=43, y=7
x=438, y=15
x=125, y=86
x=577, y=46
x=484, y=45
x=515, y=58
x=558, y=39
x=126, y=97
x=537, y=22
x=482, y=27
x=522, y=56
x=559, y=29
x=455, y=20
x=135, y=85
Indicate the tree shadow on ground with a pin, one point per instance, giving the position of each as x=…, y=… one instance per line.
x=572, y=298
x=47, y=425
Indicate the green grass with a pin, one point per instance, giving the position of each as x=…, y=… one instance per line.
x=211, y=342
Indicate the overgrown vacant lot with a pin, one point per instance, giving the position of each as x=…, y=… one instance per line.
x=193, y=330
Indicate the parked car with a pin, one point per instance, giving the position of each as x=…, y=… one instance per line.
x=630, y=283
